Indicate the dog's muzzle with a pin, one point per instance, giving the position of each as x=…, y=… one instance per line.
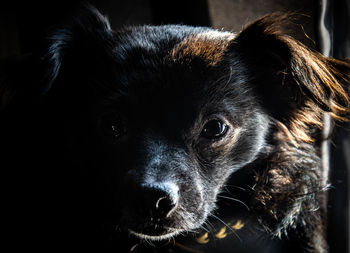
x=156, y=203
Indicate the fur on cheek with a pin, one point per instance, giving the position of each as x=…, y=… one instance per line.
x=287, y=193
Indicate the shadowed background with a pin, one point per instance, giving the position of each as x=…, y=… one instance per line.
x=24, y=27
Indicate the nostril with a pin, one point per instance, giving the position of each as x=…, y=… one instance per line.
x=157, y=199
x=164, y=205
x=158, y=204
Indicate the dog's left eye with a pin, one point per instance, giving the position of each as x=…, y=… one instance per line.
x=112, y=126
x=214, y=129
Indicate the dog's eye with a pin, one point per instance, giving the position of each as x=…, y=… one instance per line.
x=214, y=129
x=112, y=126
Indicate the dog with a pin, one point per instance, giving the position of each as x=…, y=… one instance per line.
x=189, y=138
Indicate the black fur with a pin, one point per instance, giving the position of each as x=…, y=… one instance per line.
x=117, y=119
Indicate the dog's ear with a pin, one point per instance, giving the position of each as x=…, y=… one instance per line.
x=295, y=84
x=81, y=47
x=75, y=50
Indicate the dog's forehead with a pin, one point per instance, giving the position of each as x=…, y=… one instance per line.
x=173, y=44
x=169, y=58
x=165, y=68
x=208, y=46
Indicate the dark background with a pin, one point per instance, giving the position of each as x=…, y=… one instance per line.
x=24, y=27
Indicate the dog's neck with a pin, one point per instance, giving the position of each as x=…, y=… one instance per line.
x=289, y=191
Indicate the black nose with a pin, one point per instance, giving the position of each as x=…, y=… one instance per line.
x=163, y=206
x=159, y=201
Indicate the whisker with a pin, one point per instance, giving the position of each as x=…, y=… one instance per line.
x=239, y=201
x=204, y=228
x=227, y=226
x=237, y=187
x=150, y=243
x=210, y=226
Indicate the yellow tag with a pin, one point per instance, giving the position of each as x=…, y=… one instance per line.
x=221, y=234
x=203, y=239
x=238, y=225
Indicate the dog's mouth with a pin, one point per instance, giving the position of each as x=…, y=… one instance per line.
x=157, y=234
x=158, y=229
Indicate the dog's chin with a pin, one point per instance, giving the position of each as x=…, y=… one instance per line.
x=176, y=224
x=165, y=234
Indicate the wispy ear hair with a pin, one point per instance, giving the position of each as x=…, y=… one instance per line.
x=317, y=83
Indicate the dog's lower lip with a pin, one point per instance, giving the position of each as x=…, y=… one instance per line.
x=171, y=233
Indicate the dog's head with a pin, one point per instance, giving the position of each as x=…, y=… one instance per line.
x=171, y=112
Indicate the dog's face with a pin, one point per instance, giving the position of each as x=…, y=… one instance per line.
x=168, y=114
x=177, y=129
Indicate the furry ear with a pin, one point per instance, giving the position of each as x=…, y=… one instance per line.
x=79, y=45
x=75, y=50
x=295, y=84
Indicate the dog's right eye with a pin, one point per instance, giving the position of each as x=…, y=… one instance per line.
x=112, y=126
x=214, y=129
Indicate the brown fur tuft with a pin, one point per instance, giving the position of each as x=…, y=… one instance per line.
x=208, y=47
x=320, y=84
